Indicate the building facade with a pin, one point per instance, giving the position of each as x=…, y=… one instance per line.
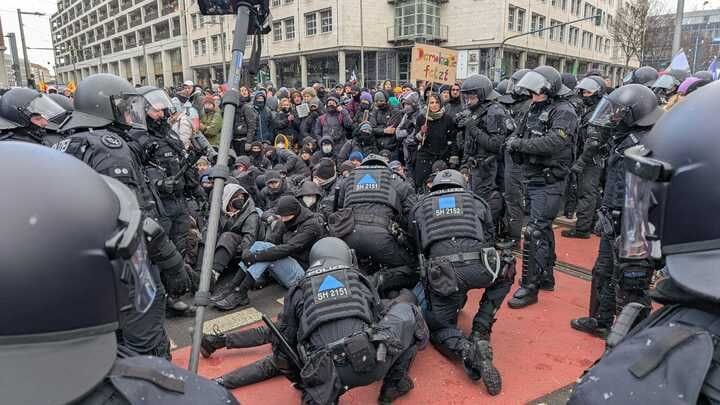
x=699, y=38
x=326, y=41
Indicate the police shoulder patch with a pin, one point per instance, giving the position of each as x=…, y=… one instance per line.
x=62, y=145
x=111, y=141
x=330, y=286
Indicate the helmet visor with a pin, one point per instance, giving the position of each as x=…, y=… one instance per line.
x=534, y=82
x=129, y=110
x=588, y=84
x=44, y=106
x=629, y=78
x=158, y=100
x=634, y=242
x=665, y=82
x=608, y=114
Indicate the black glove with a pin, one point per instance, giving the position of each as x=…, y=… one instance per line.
x=167, y=186
x=177, y=282
x=512, y=144
x=249, y=258
x=578, y=167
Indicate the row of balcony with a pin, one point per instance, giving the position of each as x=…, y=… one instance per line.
x=75, y=23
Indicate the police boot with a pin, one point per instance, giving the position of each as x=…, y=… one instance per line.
x=392, y=390
x=477, y=361
x=238, y=295
x=590, y=325
x=527, y=294
x=547, y=282
x=480, y=334
x=574, y=233
x=210, y=343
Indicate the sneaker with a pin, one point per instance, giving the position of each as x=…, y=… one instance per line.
x=236, y=298
x=591, y=326
x=391, y=391
x=574, y=233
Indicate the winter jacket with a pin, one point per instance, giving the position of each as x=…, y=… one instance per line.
x=294, y=238
x=381, y=118
x=336, y=125
x=245, y=122
x=281, y=124
x=211, y=125
x=238, y=232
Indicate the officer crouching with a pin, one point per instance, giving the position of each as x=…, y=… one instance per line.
x=345, y=335
x=455, y=236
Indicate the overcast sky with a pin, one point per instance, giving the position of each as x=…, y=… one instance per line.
x=37, y=29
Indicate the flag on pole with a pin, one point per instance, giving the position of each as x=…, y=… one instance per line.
x=713, y=68
x=678, y=62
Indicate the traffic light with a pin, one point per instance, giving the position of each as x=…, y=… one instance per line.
x=598, y=19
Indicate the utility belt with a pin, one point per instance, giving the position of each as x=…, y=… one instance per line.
x=397, y=232
x=439, y=274
x=549, y=175
x=357, y=351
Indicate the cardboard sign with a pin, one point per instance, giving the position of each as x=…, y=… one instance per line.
x=433, y=64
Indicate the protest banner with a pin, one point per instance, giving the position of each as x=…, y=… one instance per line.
x=433, y=64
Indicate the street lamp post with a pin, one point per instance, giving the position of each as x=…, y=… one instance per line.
x=22, y=39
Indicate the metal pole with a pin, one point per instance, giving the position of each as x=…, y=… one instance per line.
x=678, y=26
x=233, y=82
x=16, y=58
x=223, y=43
x=362, y=48
x=697, y=39
x=24, y=48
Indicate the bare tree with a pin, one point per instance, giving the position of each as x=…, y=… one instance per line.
x=657, y=41
x=631, y=24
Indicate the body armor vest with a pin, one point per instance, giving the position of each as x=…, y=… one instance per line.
x=373, y=185
x=332, y=293
x=448, y=214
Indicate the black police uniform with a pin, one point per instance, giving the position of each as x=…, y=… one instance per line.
x=546, y=153
x=453, y=228
x=514, y=187
x=380, y=202
x=486, y=126
x=610, y=291
x=588, y=180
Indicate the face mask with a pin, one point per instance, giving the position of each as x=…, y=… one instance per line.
x=256, y=152
x=286, y=109
x=381, y=105
x=208, y=110
x=238, y=203
x=332, y=107
x=327, y=148
x=364, y=106
x=309, y=200
x=408, y=109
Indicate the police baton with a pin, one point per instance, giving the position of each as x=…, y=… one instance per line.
x=285, y=345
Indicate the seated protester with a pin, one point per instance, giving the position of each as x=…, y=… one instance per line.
x=290, y=161
x=362, y=115
x=325, y=176
x=306, y=157
x=285, y=252
x=258, y=158
x=353, y=104
x=263, y=132
x=325, y=151
x=383, y=120
x=356, y=158
x=307, y=124
x=202, y=165
x=286, y=122
x=335, y=123
x=364, y=142
x=436, y=137
x=309, y=195
x=237, y=231
x=346, y=168
x=310, y=143
x=211, y=121
x=246, y=175
x=397, y=167
x=275, y=188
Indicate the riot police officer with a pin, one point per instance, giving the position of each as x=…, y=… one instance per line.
x=518, y=101
x=671, y=201
x=486, y=123
x=626, y=115
x=344, y=335
x=645, y=75
x=377, y=202
x=58, y=343
x=33, y=114
x=455, y=240
x=543, y=144
x=102, y=121
x=666, y=86
x=586, y=174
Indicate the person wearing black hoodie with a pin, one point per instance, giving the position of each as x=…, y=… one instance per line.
x=326, y=150
x=258, y=158
x=383, y=120
x=436, y=137
x=245, y=123
x=275, y=188
x=285, y=122
x=263, y=133
x=335, y=123
x=325, y=176
x=309, y=195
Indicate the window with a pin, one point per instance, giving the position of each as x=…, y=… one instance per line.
x=561, y=33
x=520, y=20
x=194, y=21
x=537, y=22
x=310, y=24
x=609, y=21
x=196, y=47
x=203, y=46
x=573, y=33
x=289, y=27
x=275, y=3
x=215, y=44
x=563, y=4
x=277, y=30
x=516, y=19
x=533, y=22
x=511, y=18
x=607, y=45
x=541, y=25
x=554, y=33
x=288, y=1
x=326, y=20
x=554, y=3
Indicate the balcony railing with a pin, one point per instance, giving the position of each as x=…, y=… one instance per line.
x=417, y=33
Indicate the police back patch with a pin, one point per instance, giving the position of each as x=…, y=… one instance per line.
x=366, y=182
x=447, y=205
x=330, y=287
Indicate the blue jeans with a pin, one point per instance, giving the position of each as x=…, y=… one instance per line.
x=287, y=271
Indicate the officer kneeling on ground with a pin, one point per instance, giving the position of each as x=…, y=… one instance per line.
x=671, y=199
x=79, y=285
x=455, y=236
x=346, y=336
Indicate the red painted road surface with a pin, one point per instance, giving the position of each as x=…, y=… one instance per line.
x=535, y=350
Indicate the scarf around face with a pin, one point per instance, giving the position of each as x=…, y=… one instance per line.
x=433, y=116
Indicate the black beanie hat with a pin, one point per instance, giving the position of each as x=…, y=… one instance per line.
x=325, y=169
x=288, y=205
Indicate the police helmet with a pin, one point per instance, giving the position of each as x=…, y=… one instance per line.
x=670, y=80
x=672, y=194
x=645, y=75
x=448, y=178
x=479, y=85
x=374, y=160
x=628, y=106
x=331, y=248
x=544, y=80
x=156, y=99
x=569, y=80
x=65, y=102
x=703, y=75
x=103, y=99
x=593, y=84
x=502, y=86
x=19, y=104
x=66, y=292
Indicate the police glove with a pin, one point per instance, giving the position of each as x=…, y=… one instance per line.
x=512, y=144
x=248, y=258
x=177, y=282
x=577, y=167
x=167, y=186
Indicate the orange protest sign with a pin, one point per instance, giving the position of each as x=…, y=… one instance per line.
x=70, y=86
x=433, y=64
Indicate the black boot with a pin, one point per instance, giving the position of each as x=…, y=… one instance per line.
x=392, y=390
x=547, y=281
x=237, y=296
x=261, y=370
x=480, y=334
x=477, y=359
x=590, y=325
x=210, y=343
x=523, y=297
x=574, y=233
x=223, y=286
x=527, y=294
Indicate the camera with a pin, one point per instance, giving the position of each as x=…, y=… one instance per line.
x=260, y=9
